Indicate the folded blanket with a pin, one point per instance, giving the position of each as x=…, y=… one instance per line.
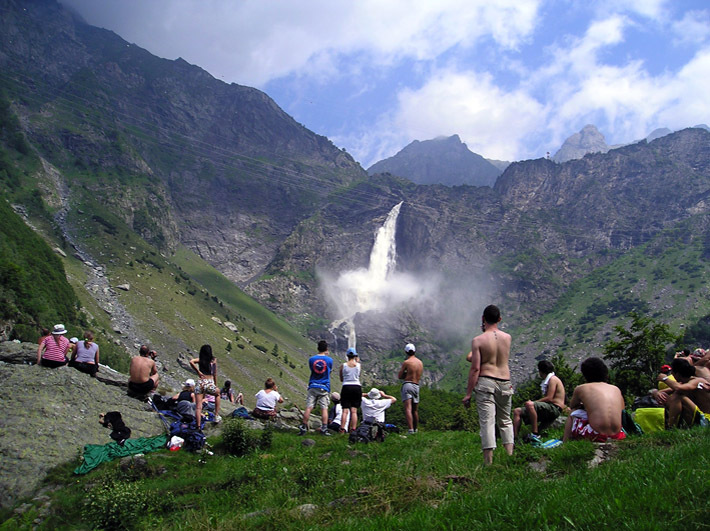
x=95, y=454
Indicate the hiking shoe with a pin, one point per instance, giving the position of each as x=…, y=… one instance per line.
x=411, y=432
x=352, y=438
x=302, y=429
x=324, y=431
x=534, y=440
x=217, y=419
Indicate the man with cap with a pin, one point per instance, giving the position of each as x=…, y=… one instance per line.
x=411, y=373
x=318, y=388
x=374, y=405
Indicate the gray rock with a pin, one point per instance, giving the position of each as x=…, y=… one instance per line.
x=308, y=442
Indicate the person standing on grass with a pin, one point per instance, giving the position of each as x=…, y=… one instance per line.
x=542, y=412
x=351, y=392
x=321, y=366
x=489, y=376
x=411, y=372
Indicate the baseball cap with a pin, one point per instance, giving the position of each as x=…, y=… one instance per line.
x=189, y=382
x=352, y=352
x=335, y=395
x=409, y=347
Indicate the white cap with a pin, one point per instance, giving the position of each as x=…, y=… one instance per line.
x=409, y=347
x=189, y=382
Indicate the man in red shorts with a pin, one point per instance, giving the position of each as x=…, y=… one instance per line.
x=596, y=406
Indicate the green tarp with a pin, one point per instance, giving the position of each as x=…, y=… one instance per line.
x=95, y=454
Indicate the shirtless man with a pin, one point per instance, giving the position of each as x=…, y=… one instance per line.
x=411, y=373
x=689, y=391
x=490, y=377
x=542, y=412
x=143, y=374
x=596, y=406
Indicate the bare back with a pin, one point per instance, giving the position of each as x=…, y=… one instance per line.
x=141, y=369
x=411, y=370
x=603, y=403
x=493, y=347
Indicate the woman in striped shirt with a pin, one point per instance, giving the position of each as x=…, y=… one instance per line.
x=52, y=351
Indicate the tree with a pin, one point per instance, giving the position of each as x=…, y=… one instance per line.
x=638, y=353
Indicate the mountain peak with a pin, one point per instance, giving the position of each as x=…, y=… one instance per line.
x=587, y=140
x=441, y=160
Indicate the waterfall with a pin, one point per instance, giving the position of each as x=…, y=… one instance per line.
x=363, y=290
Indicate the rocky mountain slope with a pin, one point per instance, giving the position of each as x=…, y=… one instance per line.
x=443, y=160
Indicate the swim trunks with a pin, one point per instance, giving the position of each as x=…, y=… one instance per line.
x=582, y=430
x=410, y=391
x=142, y=388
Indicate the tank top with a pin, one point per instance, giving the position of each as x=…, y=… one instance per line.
x=351, y=375
x=86, y=355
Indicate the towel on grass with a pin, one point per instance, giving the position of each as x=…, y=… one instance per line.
x=95, y=454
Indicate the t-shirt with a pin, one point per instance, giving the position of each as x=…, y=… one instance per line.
x=267, y=401
x=86, y=355
x=375, y=408
x=320, y=366
x=351, y=375
x=56, y=350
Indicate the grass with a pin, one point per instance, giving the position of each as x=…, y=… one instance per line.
x=434, y=480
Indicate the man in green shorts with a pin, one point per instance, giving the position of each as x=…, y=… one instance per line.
x=542, y=412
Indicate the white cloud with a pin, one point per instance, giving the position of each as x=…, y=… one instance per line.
x=255, y=42
x=693, y=28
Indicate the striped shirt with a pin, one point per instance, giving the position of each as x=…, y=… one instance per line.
x=56, y=350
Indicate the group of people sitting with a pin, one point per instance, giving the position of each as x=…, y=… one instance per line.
x=55, y=350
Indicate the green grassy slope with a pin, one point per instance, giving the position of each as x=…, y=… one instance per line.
x=435, y=480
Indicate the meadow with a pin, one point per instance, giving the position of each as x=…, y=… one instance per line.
x=431, y=480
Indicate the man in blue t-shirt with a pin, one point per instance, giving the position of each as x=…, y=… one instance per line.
x=318, y=388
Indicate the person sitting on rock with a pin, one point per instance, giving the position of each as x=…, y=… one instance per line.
x=186, y=399
x=52, y=350
x=143, y=373
x=596, y=406
x=691, y=394
x=227, y=393
x=541, y=413
x=266, y=401
x=86, y=355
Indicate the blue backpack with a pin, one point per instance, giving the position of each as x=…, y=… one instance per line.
x=194, y=438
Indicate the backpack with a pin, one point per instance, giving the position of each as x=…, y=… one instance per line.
x=370, y=431
x=194, y=439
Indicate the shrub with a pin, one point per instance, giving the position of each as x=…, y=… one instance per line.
x=115, y=504
x=238, y=439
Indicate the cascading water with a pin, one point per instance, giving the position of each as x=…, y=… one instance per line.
x=363, y=290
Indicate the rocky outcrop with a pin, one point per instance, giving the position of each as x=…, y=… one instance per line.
x=50, y=414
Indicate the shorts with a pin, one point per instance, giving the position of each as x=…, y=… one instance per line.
x=410, y=391
x=142, y=388
x=351, y=396
x=52, y=364
x=582, y=430
x=494, y=398
x=265, y=414
x=547, y=412
x=317, y=396
x=206, y=386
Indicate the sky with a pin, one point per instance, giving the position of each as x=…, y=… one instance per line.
x=513, y=78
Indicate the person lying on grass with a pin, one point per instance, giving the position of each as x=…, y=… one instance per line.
x=690, y=393
x=596, y=406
